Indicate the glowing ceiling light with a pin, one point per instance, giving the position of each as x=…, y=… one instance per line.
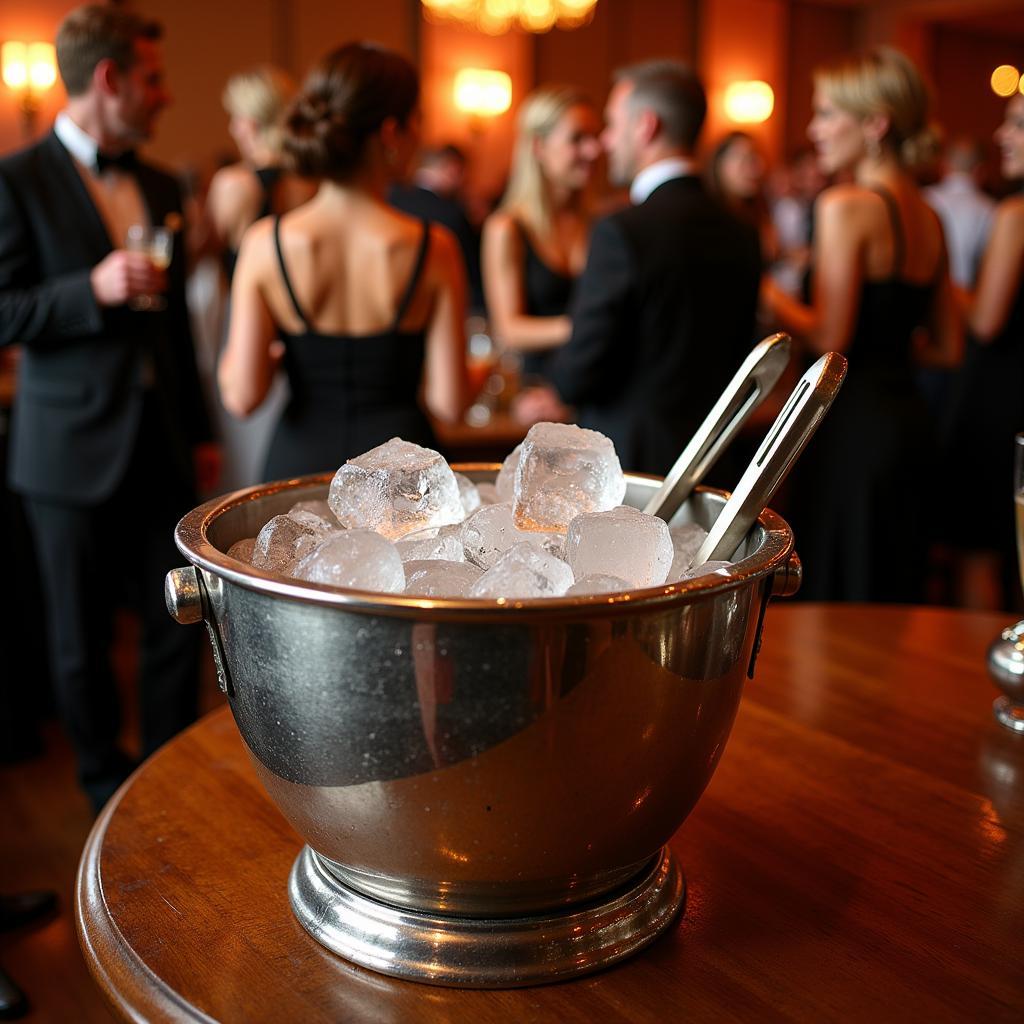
x=498, y=16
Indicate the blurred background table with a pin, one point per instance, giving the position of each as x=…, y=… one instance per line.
x=859, y=855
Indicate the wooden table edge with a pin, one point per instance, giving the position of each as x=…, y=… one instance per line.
x=123, y=977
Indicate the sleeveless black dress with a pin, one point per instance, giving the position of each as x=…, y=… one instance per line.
x=348, y=393
x=268, y=177
x=864, y=494
x=546, y=292
x=986, y=412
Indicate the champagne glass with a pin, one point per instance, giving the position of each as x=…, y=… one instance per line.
x=1006, y=655
x=158, y=245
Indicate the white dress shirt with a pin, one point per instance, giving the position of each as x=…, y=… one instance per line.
x=657, y=174
x=116, y=193
x=966, y=214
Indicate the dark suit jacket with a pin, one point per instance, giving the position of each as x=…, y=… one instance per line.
x=80, y=394
x=662, y=319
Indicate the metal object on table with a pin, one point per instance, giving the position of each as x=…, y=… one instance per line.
x=467, y=768
x=793, y=428
x=1006, y=666
x=750, y=386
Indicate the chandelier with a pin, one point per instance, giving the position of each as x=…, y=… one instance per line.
x=497, y=16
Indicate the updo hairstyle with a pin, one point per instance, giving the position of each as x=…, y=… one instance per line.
x=344, y=101
x=883, y=81
x=261, y=95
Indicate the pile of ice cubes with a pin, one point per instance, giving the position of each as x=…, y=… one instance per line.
x=398, y=520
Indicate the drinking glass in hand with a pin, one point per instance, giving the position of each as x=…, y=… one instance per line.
x=1006, y=655
x=158, y=245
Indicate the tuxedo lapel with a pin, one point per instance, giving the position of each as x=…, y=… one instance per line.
x=85, y=217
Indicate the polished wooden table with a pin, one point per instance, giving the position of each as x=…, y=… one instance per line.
x=858, y=856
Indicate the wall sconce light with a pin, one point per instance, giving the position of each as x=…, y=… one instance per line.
x=1005, y=80
x=749, y=102
x=482, y=93
x=29, y=70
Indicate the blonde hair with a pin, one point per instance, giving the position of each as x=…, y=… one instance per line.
x=527, y=197
x=262, y=95
x=882, y=81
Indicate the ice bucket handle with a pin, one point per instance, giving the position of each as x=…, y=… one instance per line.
x=185, y=596
x=787, y=578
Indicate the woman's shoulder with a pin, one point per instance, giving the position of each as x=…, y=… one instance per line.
x=233, y=179
x=503, y=225
x=1011, y=210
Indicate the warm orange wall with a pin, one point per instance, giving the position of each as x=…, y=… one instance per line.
x=444, y=49
x=742, y=40
x=34, y=21
x=961, y=64
x=816, y=35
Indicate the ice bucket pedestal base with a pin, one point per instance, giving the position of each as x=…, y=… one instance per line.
x=485, y=952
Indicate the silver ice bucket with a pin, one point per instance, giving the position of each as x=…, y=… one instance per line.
x=486, y=791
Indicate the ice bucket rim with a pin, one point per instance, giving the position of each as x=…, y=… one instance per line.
x=191, y=537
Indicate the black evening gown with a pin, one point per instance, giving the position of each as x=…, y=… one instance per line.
x=546, y=292
x=987, y=411
x=864, y=492
x=268, y=177
x=348, y=393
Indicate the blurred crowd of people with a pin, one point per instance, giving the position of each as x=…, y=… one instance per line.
x=331, y=268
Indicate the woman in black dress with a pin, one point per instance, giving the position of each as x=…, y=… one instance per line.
x=989, y=400
x=368, y=302
x=865, y=491
x=257, y=186
x=535, y=244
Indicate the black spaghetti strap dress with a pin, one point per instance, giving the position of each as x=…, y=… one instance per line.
x=268, y=177
x=986, y=412
x=546, y=292
x=864, y=490
x=349, y=393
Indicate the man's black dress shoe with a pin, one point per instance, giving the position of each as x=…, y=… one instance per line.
x=21, y=908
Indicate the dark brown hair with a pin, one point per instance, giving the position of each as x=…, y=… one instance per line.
x=343, y=103
x=98, y=32
x=673, y=92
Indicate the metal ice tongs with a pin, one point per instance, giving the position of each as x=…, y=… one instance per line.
x=746, y=391
x=792, y=429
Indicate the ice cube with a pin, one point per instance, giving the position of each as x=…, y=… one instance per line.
x=356, y=559
x=564, y=471
x=395, y=489
x=243, y=550
x=439, y=578
x=598, y=583
x=505, y=481
x=488, y=494
x=316, y=513
x=491, y=530
x=282, y=542
x=469, y=494
x=686, y=541
x=525, y=570
x=713, y=568
x=443, y=542
x=622, y=542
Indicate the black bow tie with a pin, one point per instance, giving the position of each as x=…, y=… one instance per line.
x=127, y=161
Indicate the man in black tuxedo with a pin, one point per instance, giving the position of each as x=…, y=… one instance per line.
x=108, y=418
x=433, y=194
x=664, y=311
